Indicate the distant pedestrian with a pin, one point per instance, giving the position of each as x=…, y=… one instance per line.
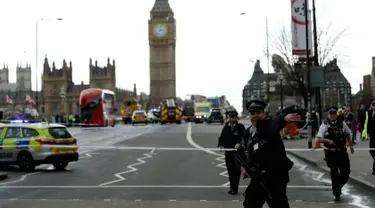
x=369, y=131
x=361, y=117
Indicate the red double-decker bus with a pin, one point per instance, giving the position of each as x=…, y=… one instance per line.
x=98, y=107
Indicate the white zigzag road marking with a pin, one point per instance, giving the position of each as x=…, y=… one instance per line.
x=131, y=167
x=88, y=155
x=222, y=165
x=318, y=176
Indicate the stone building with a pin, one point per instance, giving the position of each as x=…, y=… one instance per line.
x=337, y=90
x=23, y=82
x=366, y=89
x=162, y=41
x=56, y=82
x=256, y=88
x=16, y=91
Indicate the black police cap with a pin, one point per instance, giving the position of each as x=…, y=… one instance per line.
x=332, y=109
x=256, y=105
x=291, y=109
x=232, y=113
x=372, y=101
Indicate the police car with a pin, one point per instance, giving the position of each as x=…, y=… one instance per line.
x=31, y=144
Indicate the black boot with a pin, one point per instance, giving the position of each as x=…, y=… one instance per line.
x=336, y=199
x=232, y=192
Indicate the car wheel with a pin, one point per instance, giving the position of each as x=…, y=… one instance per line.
x=146, y=123
x=60, y=165
x=25, y=162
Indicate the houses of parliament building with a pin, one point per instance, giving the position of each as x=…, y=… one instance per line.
x=57, y=80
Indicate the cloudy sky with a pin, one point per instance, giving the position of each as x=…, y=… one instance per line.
x=214, y=42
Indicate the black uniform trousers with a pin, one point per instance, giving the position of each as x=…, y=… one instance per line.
x=234, y=170
x=372, y=152
x=339, y=164
x=256, y=196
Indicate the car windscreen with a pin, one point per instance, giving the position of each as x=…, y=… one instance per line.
x=139, y=113
x=59, y=132
x=156, y=113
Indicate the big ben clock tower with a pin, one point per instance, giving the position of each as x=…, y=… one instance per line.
x=162, y=40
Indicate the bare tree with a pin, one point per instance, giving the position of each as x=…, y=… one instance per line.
x=284, y=61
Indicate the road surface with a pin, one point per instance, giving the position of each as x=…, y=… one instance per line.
x=156, y=178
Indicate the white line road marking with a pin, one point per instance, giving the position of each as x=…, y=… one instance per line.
x=22, y=178
x=131, y=167
x=220, y=157
x=88, y=155
x=317, y=176
x=223, y=165
x=150, y=186
x=197, y=146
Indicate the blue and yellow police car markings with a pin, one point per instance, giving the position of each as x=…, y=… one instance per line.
x=7, y=147
x=9, y=144
x=23, y=143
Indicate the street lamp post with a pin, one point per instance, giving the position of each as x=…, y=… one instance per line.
x=281, y=78
x=36, y=59
x=309, y=127
x=62, y=96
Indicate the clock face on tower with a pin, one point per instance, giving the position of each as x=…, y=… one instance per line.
x=160, y=30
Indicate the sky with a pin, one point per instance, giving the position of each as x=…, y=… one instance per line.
x=216, y=46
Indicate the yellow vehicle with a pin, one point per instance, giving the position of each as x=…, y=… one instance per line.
x=30, y=145
x=139, y=116
x=202, y=111
x=128, y=107
x=170, y=112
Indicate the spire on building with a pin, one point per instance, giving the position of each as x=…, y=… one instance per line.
x=257, y=68
x=135, y=90
x=161, y=6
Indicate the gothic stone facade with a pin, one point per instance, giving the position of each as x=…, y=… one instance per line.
x=337, y=90
x=256, y=88
x=16, y=91
x=162, y=41
x=54, y=81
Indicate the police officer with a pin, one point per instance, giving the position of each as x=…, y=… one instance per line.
x=334, y=133
x=369, y=131
x=231, y=137
x=266, y=153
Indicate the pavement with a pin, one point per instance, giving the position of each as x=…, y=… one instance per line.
x=118, y=177
x=360, y=162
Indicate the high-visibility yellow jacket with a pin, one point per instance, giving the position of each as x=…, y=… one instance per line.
x=364, y=132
